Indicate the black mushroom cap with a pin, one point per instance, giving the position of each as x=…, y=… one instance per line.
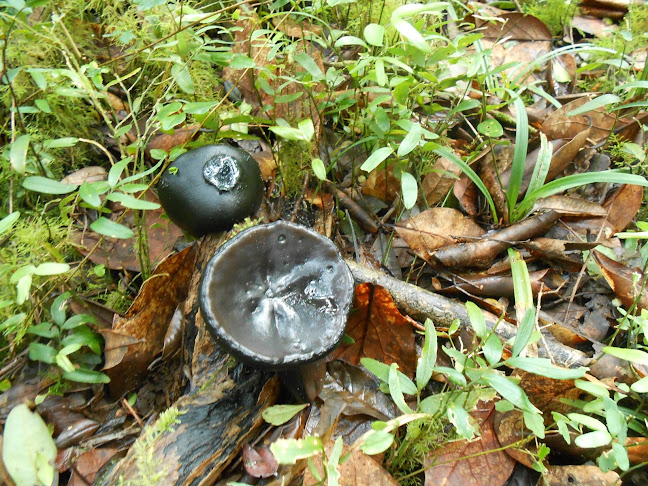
x=277, y=295
x=211, y=188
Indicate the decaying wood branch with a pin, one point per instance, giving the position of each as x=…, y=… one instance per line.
x=421, y=304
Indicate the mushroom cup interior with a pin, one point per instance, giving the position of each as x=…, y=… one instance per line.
x=277, y=295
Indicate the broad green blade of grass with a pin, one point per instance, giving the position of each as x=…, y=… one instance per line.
x=445, y=152
x=541, y=168
x=519, y=153
x=576, y=180
x=598, y=102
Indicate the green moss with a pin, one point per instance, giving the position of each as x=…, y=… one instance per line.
x=294, y=163
x=554, y=13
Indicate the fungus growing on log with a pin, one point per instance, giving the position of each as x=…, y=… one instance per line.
x=211, y=188
x=277, y=295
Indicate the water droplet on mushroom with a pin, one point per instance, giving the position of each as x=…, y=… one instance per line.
x=329, y=268
x=282, y=238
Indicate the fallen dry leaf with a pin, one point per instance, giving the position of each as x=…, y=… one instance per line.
x=88, y=464
x=147, y=320
x=435, y=228
x=624, y=281
x=118, y=254
x=439, y=180
x=584, y=475
x=382, y=184
x=358, y=469
x=561, y=125
x=259, y=462
x=451, y=465
x=379, y=330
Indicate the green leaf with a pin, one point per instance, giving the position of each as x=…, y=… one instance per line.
x=51, y=268
x=199, y=107
x=409, y=189
x=307, y=129
x=88, y=193
x=78, y=320
x=28, y=450
x=280, y=414
x=43, y=105
x=493, y=349
x=109, y=228
x=349, y=40
x=606, y=99
x=395, y=389
x=116, y=171
x=477, y=320
x=535, y=423
x=309, y=65
x=64, y=142
x=8, y=221
x=519, y=153
x=465, y=168
x=632, y=355
x=381, y=370
x=319, y=169
x=587, y=421
x=458, y=417
x=47, y=186
x=427, y=360
x=86, y=376
x=13, y=321
x=411, y=140
x=18, y=153
x=510, y=391
x=541, y=168
x=410, y=33
x=376, y=158
x=490, y=128
x=42, y=352
x=376, y=442
x=289, y=133
x=576, y=180
x=598, y=438
x=140, y=175
x=525, y=330
x=374, y=33
x=59, y=307
x=289, y=451
x=332, y=473
x=182, y=77
x=544, y=367
x=44, y=329
x=132, y=202
x=241, y=61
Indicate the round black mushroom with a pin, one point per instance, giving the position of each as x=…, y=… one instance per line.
x=210, y=188
x=277, y=295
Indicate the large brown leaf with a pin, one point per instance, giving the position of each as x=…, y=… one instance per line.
x=435, y=228
x=146, y=321
x=626, y=282
x=561, y=125
x=468, y=463
x=379, y=330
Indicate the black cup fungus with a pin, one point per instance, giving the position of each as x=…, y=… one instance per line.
x=211, y=188
x=277, y=295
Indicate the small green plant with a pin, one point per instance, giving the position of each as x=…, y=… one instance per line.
x=71, y=345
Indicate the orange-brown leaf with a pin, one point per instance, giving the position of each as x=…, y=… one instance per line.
x=148, y=318
x=379, y=330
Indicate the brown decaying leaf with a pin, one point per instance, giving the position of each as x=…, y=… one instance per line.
x=622, y=207
x=148, y=318
x=118, y=254
x=467, y=194
x=492, y=468
x=168, y=141
x=88, y=464
x=514, y=26
x=383, y=184
x=483, y=252
x=92, y=173
x=584, y=475
x=625, y=282
x=570, y=206
x=259, y=462
x=358, y=469
x=593, y=26
x=379, y=330
x=439, y=180
x=560, y=125
x=565, y=155
x=435, y=228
